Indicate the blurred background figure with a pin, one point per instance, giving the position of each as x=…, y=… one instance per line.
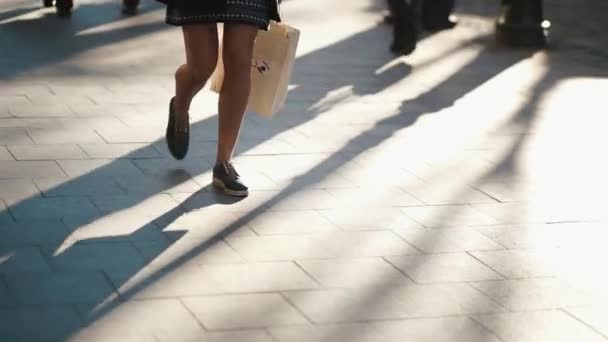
x=64, y=7
x=410, y=16
x=436, y=15
x=522, y=23
x=129, y=7
x=405, y=30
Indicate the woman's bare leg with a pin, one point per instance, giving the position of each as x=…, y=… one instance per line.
x=201, y=42
x=237, y=52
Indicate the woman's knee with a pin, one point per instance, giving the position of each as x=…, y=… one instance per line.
x=193, y=74
x=200, y=72
x=236, y=57
x=201, y=50
x=237, y=48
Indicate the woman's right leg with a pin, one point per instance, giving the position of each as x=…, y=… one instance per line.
x=201, y=58
x=201, y=42
x=237, y=50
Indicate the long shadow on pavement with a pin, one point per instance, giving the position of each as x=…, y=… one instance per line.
x=71, y=278
x=367, y=141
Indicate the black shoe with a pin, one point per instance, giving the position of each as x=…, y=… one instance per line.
x=228, y=180
x=178, y=138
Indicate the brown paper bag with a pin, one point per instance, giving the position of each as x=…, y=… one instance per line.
x=274, y=53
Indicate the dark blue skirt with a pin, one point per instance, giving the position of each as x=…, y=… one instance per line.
x=253, y=12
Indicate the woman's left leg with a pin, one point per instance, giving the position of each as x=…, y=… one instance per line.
x=237, y=51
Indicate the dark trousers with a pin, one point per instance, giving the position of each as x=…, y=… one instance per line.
x=407, y=15
x=404, y=25
x=435, y=14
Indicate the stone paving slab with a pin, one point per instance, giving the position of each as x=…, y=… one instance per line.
x=163, y=252
x=58, y=288
x=447, y=240
x=17, y=190
x=236, y=336
x=57, y=208
x=213, y=279
x=35, y=233
x=64, y=187
x=370, y=219
x=244, y=311
x=111, y=151
x=592, y=316
x=152, y=185
x=28, y=259
x=30, y=169
x=47, y=152
x=50, y=322
x=64, y=136
x=432, y=329
x=321, y=245
x=162, y=316
x=533, y=294
x=538, y=326
x=348, y=273
x=5, y=154
x=391, y=302
x=95, y=257
x=291, y=222
x=119, y=228
x=444, y=268
x=99, y=168
x=14, y=136
x=519, y=264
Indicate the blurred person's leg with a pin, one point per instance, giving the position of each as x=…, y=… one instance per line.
x=201, y=43
x=435, y=14
x=129, y=7
x=522, y=23
x=405, y=32
x=237, y=50
x=64, y=7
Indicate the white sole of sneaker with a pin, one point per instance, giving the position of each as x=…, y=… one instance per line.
x=219, y=184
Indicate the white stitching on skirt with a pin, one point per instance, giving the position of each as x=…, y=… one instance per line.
x=218, y=16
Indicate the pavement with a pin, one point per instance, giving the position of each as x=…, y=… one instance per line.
x=456, y=194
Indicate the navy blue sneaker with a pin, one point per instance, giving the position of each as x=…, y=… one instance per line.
x=228, y=180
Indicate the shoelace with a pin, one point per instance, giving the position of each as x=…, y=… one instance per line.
x=229, y=168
